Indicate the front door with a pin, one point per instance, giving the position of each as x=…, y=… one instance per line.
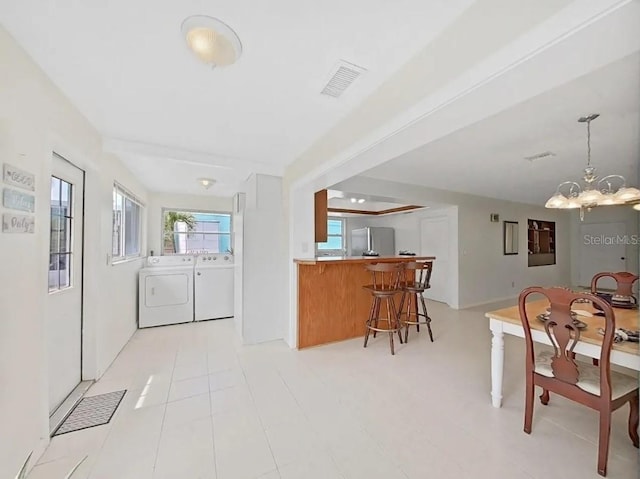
x=64, y=317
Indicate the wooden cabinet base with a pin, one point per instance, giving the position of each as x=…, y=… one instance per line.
x=332, y=305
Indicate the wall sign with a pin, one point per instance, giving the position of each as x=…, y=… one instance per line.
x=17, y=177
x=17, y=200
x=17, y=223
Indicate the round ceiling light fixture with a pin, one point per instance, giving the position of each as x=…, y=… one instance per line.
x=206, y=182
x=213, y=41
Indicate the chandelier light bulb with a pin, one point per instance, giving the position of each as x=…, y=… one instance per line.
x=628, y=194
x=556, y=201
x=590, y=197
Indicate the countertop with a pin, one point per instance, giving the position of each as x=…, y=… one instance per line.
x=360, y=259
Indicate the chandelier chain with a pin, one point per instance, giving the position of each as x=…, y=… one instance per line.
x=588, y=142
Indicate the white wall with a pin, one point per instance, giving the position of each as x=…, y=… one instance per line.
x=158, y=201
x=484, y=273
x=262, y=265
x=608, y=214
x=36, y=119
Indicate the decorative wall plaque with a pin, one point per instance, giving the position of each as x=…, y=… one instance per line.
x=17, y=223
x=17, y=177
x=17, y=200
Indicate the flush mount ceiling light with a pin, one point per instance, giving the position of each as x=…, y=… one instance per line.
x=357, y=200
x=206, y=183
x=212, y=40
x=609, y=190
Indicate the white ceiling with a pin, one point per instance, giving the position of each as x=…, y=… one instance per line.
x=487, y=158
x=172, y=119
x=124, y=65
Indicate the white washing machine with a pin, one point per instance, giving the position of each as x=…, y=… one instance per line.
x=213, y=285
x=165, y=291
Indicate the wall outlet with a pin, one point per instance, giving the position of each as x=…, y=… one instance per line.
x=513, y=284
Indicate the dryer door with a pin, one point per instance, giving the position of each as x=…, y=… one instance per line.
x=169, y=289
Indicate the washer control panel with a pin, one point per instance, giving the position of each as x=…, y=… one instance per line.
x=214, y=259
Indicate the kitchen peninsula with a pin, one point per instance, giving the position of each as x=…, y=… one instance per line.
x=332, y=304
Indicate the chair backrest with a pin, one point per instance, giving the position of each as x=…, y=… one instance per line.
x=385, y=276
x=564, y=334
x=422, y=273
x=624, y=282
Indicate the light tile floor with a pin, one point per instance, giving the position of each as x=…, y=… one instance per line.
x=200, y=405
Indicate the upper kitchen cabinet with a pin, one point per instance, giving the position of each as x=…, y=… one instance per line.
x=321, y=216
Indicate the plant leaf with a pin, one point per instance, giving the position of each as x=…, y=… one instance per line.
x=23, y=470
x=75, y=468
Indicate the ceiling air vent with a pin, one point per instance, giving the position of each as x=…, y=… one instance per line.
x=539, y=156
x=342, y=75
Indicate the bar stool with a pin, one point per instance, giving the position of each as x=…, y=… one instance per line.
x=385, y=284
x=417, y=280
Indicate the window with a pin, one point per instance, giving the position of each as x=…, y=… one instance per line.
x=335, y=243
x=127, y=225
x=191, y=232
x=60, y=237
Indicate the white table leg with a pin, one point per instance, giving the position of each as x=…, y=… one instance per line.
x=497, y=362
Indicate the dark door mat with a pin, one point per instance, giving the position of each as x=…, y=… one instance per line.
x=91, y=411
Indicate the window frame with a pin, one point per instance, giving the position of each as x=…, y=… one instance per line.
x=164, y=210
x=126, y=195
x=343, y=236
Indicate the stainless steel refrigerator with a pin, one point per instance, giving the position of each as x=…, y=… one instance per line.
x=378, y=239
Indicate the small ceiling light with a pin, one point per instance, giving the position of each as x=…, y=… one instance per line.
x=361, y=200
x=206, y=182
x=213, y=41
x=354, y=200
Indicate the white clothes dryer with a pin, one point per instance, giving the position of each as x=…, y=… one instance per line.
x=165, y=288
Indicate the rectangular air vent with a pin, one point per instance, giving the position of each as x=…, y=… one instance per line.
x=539, y=156
x=341, y=77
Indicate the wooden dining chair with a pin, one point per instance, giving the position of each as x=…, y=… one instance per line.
x=624, y=282
x=597, y=387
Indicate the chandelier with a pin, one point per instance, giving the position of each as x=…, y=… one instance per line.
x=609, y=190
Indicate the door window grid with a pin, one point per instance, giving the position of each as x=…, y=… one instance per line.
x=60, y=256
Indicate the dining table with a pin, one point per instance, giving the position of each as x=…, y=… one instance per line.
x=507, y=321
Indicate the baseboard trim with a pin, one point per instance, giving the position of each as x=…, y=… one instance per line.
x=495, y=300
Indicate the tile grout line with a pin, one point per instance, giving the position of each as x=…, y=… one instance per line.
x=213, y=435
x=164, y=414
x=264, y=431
x=325, y=449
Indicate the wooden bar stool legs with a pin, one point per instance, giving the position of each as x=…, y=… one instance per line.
x=394, y=325
x=412, y=289
x=383, y=288
x=412, y=315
